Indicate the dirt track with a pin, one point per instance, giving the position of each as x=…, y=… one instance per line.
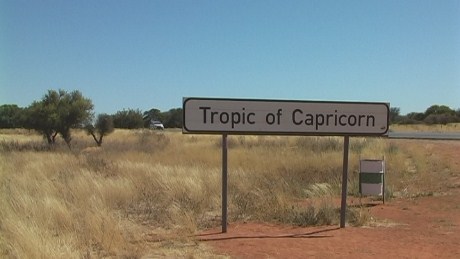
x=423, y=227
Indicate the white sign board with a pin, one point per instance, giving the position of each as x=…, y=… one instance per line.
x=281, y=117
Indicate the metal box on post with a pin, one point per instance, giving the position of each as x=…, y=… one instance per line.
x=372, y=177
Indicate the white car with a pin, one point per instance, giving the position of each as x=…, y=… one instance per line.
x=157, y=125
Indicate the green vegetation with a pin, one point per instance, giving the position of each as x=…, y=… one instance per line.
x=128, y=119
x=435, y=114
x=104, y=126
x=60, y=111
x=56, y=113
x=10, y=116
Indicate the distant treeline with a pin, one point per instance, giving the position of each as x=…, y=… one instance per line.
x=13, y=116
x=435, y=114
x=58, y=111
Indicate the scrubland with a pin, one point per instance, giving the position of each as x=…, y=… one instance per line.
x=148, y=193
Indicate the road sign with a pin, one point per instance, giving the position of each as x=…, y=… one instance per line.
x=282, y=117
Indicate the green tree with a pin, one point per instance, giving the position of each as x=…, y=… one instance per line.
x=102, y=128
x=173, y=118
x=394, y=114
x=416, y=116
x=438, y=110
x=11, y=116
x=74, y=111
x=128, y=119
x=42, y=117
x=57, y=112
x=439, y=114
x=444, y=118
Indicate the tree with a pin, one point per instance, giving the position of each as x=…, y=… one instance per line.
x=394, y=114
x=128, y=119
x=42, y=117
x=416, y=116
x=74, y=110
x=173, y=118
x=444, y=118
x=438, y=110
x=102, y=128
x=439, y=114
x=57, y=113
x=10, y=116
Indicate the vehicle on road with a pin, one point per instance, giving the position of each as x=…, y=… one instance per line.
x=157, y=125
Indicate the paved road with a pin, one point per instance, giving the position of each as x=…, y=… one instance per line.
x=425, y=135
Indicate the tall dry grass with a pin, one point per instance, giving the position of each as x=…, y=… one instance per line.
x=450, y=127
x=148, y=193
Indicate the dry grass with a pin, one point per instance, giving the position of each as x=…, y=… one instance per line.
x=451, y=127
x=147, y=193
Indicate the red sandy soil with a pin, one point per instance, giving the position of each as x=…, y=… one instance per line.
x=423, y=227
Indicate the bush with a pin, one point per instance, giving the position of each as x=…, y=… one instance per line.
x=103, y=127
x=128, y=119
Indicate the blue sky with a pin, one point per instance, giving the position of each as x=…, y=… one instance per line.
x=150, y=54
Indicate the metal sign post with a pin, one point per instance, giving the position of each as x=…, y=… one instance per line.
x=224, y=183
x=343, y=206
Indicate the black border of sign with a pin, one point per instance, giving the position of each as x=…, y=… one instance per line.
x=280, y=133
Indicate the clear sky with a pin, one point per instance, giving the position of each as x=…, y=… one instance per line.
x=149, y=54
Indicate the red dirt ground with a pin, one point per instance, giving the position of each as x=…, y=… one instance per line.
x=424, y=227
